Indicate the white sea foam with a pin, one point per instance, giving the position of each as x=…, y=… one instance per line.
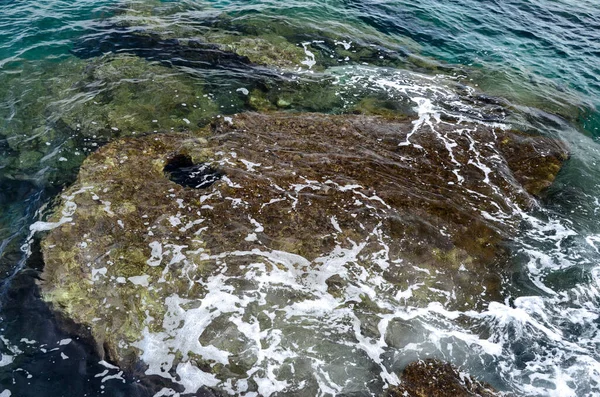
x=69, y=208
x=310, y=56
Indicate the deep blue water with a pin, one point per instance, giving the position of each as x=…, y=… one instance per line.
x=542, y=58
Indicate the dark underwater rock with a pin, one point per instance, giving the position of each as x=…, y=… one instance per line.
x=328, y=208
x=435, y=378
x=192, y=53
x=237, y=40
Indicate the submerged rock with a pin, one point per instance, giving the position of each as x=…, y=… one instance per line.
x=199, y=36
x=131, y=95
x=74, y=106
x=435, y=378
x=212, y=38
x=295, y=236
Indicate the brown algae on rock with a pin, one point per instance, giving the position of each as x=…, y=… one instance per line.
x=312, y=231
x=435, y=378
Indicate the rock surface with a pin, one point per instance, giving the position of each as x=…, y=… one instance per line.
x=435, y=378
x=169, y=247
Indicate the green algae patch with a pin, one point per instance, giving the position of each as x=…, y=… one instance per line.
x=268, y=223
x=75, y=106
x=271, y=50
x=31, y=130
x=305, y=95
x=139, y=96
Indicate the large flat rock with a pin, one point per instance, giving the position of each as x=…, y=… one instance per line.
x=231, y=252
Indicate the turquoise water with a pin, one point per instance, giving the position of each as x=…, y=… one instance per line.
x=539, y=59
x=549, y=47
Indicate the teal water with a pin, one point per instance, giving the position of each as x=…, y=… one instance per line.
x=534, y=65
x=549, y=47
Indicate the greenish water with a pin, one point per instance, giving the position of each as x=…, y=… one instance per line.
x=533, y=65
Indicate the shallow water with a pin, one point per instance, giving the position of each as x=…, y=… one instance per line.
x=529, y=65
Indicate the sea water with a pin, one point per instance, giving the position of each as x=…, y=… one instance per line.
x=534, y=65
